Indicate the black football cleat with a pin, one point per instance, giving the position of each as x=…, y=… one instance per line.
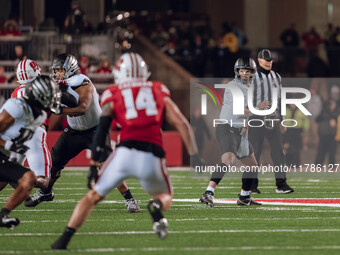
x=207, y=198
x=255, y=191
x=38, y=198
x=284, y=189
x=9, y=222
x=61, y=243
x=247, y=200
x=132, y=205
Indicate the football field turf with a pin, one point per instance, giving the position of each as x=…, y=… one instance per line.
x=193, y=228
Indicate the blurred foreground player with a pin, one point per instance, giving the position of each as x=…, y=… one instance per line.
x=38, y=156
x=139, y=106
x=82, y=122
x=19, y=119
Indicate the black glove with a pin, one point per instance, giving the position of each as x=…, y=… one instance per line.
x=92, y=175
x=62, y=86
x=16, y=147
x=195, y=160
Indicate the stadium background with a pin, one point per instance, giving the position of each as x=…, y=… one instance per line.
x=181, y=39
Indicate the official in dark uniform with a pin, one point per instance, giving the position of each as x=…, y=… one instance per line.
x=264, y=83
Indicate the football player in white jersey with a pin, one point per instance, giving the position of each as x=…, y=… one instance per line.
x=141, y=118
x=19, y=118
x=38, y=156
x=82, y=123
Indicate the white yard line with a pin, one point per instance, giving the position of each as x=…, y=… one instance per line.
x=190, y=219
x=150, y=249
x=215, y=231
x=217, y=201
x=185, y=207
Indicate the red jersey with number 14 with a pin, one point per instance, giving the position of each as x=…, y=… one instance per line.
x=139, y=109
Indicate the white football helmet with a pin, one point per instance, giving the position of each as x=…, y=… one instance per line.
x=27, y=71
x=130, y=67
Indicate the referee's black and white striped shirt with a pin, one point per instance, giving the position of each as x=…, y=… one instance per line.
x=263, y=85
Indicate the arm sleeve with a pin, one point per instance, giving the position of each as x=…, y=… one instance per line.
x=98, y=143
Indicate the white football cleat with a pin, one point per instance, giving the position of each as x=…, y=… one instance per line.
x=161, y=228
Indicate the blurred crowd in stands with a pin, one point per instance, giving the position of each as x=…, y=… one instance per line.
x=197, y=48
x=191, y=41
x=202, y=52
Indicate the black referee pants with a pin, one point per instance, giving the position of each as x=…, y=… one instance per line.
x=256, y=137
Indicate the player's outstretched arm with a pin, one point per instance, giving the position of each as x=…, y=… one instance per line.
x=85, y=97
x=174, y=116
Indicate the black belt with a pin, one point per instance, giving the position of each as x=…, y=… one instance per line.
x=91, y=130
x=143, y=146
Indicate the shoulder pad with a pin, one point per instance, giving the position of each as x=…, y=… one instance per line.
x=86, y=82
x=78, y=80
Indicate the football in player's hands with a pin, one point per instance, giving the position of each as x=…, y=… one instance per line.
x=92, y=175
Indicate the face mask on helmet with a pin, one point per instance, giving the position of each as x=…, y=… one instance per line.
x=130, y=67
x=55, y=106
x=27, y=71
x=44, y=94
x=64, y=66
x=245, y=63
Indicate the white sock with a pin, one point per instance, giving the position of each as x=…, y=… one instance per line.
x=211, y=189
x=245, y=193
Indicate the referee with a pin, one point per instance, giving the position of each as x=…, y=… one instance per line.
x=264, y=82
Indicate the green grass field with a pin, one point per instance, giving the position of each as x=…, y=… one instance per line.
x=194, y=228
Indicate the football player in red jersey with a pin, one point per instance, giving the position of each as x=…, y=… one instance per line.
x=139, y=106
x=78, y=135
